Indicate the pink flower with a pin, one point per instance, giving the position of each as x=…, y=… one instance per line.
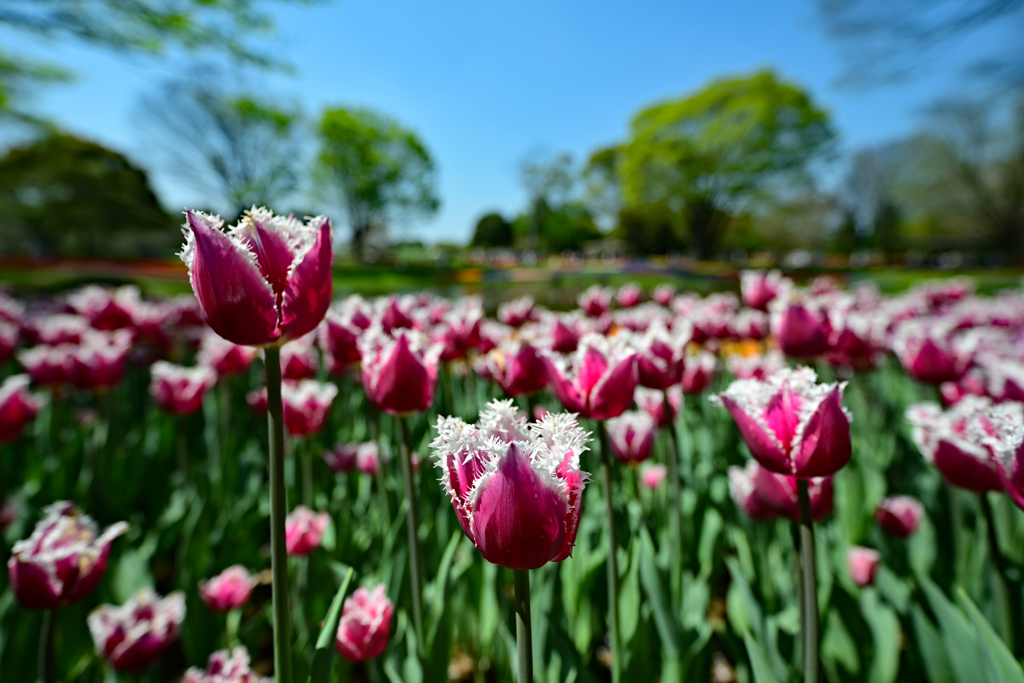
x=598, y=381
x=764, y=495
x=856, y=338
x=54, y=329
x=105, y=309
x=340, y=332
x=228, y=590
x=266, y=281
x=463, y=322
x=516, y=366
x=516, y=488
x=760, y=287
x=11, y=310
x=899, y=516
x=18, y=407
x=299, y=358
x=257, y=400
x=595, y=301
x=749, y=323
x=226, y=358
x=365, y=625
x=653, y=403
x=395, y=313
x=664, y=293
x=629, y=295
x=956, y=442
x=303, y=530
x=517, y=312
x=631, y=436
x=653, y=476
x=225, y=667
x=758, y=366
x=62, y=561
x=399, y=373
x=928, y=351
x=698, y=371
x=137, y=633
x=48, y=365
x=364, y=457
x=791, y=424
x=862, y=563
x=1005, y=437
x=180, y=390
x=8, y=340
x=801, y=326
x=97, y=364
x=305, y=405
x=660, y=354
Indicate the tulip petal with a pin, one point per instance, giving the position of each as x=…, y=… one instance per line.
x=35, y=587
x=570, y=473
x=309, y=286
x=765, y=448
x=563, y=388
x=403, y=385
x=613, y=394
x=273, y=254
x=824, y=448
x=964, y=470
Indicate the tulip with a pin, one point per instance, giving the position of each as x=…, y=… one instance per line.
x=856, y=339
x=631, y=436
x=660, y=355
x=955, y=442
x=228, y=590
x=664, y=293
x=698, y=371
x=180, y=390
x=595, y=300
x=463, y=322
x=18, y=407
x=653, y=476
x=629, y=295
x=105, y=309
x=598, y=381
x=516, y=366
x=55, y=329
x=1005, y=437
x=791, y=424
x=11, y=310
x=640, y=318
x=340, y=332
x=749, y=323
x=62, y=561
x=8, y=340
x=928, y=352
x=48, y=365
x=400, y=372
x=306, y=403
x=298, y=359
x=98, y=363
x=364, y=457
x=653, y=403
x=257, y=401
x=226, y=358
x=225, y=667
x=564, y=334
x=136, y=634
x=266, y=281
x=862, y=563
x=758, y=366
x=899, y=516
x=365, y=625
x=395, y=313
x=304, y=529
x=759, y=287
x=801, y=327
x=762, y=494
x=517, y=312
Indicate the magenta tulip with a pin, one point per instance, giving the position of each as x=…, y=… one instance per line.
x=956, y=442
x=598, y=380
x=180, y=390
x=395, y=313
x=660, y=354
x=631, y=436
x=364, y=457
x=9, y=334
x=365, y=625
x=899, y=516
x=517, y=312
x=653, y=476
x=595, y=301
x=664, y=293
x=340, y=332
x=299, y=358
x=862, y=563
x=306, y=403
x=62, y=561
x=759, y=288
x=225, y=667
x=55, y=329
x=18, y=407
x=749, y=323
x=928, y=351
x=801, y=326
x=48, y=365
x=98, y=363
x=105, y=309
x=763, y=494
x=757, y=366
x=1005, y=437
x=653, y=403
x=516, y=488
x=517, y=367
x=698, y=371
x=265, y=281
x=226, y=358
x=303, y=530
x=629, y=295
x=136, y=634
x=399, y=373
x=228, y=590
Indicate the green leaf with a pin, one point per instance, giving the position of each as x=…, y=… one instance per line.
x=838, y=646
x=885, y=630
x=664, y=617
x=629, y=595
x=958, y=635
x=758, y=661
x=930, y=647
x=323, y=656
x=999, y=661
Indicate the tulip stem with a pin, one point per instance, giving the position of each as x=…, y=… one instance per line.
x=524, y=634
x=810, y=584
x=307, y=473
x=47, y=670
x=278, y=511
x=794, y=530
x=675, y=517
x=412, y=522
x=613, y=562
x=1008, y=600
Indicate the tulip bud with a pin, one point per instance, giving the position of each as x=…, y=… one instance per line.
x=653, y=403
x=801, y=326
x=305, y=404
x=266, y=281
x=18, y=407
x=340, y=332
x=698, y=371
x=228, y=590
x=759, y=287
x=653, y=476
x=862, y=563
x=661, y=353
x=257, y=401
x=347, y=457
x=664, y=293
x=395, y=314
x=105, y=309
x=180, y=390
x=899, y=516
x=763, y=495
x=631, y=436
x=516, y=488
x=62, y=561
x=399, y=373
x=749, y=323
x=299, y=359
x=517, y=312
x=595, y=301
x=226, y=358
x=955, y=442
x=516, y=367
x=928, y=351
x=629, y=295
x=55, y=329
x=757, y=366
x=598, y=381
x=365, y=625
x=791, y=424
x=136, y=634
x=97, y=364
x=303, y=530
x=225, y=667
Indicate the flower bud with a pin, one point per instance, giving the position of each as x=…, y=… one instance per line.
x=653, y=476
x=226, y=358
x=759, y=287
x=899, y=516
x=365, y=625
x=305, y=404
x=303, y=530
x=180, y=390
x=18, y=407
x=225, y=667
x=631, y=436
x=228, y=590
x=400, y=372
x=517, y=312
x=595, y=301
x=862, y=563
x=136, y=634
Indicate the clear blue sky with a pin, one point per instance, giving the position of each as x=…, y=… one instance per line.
x=485, y=82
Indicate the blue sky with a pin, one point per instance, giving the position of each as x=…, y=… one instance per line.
x=484, y=83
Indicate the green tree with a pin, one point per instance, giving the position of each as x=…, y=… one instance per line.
x=720, y=150
x=492, y=230
x=64, y=196
x=374, y=169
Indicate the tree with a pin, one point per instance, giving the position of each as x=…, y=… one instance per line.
x=492, y=230
x=375, y=170
x=721, y=149
x=549, y=181
x=64, y=196
x=240, y=146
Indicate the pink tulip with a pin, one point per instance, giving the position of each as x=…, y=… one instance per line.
x=516, y=488
x=399, y=373
x=299, y=359
x=564, y=335
x=11, y=310
x=18, y=407
x=642, y=317
x=759, y=287
x=664, y=293
x=1005, y=378
x=228, y=590
x=364, y=457
x=629, y=295
x=801, y=326
x=791, y=424
x=698, y=371
x=104, y=308
x=749, y=323
x=303, y=530
x=653, y=476
x=758, y=366
x=48, y=365
x=763, y=495
x=631, y=436
x=340, y=332
x=899, y=516
x=928, y=351
x=97, y=364
x=305, y=405
x=862, y=563
x=257, y=401
x=516, y=367
x=136, y=634
x=598, y=381
x=463, y=321
x=394, y=313
x=9, y=334
x=1005, y=437
x=956, y=442
x=180, y=390
x=595, y=301
x=55, y=329
x=225, y=667
x=653, y=403
x=365, y=625
x=62, y=561
x=660, y=354
x=266, y=281
x=517, y=312
x=855, y=341
x=226, y=358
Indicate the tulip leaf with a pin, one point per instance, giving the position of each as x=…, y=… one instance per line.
x=929, y=643
x=885, y=631
x=629, y=596
x=758, y=661
x=838, y=647
x=323, y=656
x=958, y=635
x=999, y=661
x=664, y=618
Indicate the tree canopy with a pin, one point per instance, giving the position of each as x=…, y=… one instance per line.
x=492, y=230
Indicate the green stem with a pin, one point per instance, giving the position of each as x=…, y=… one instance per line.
x=794, y=530
x=524, y=638
x=613, y=561
x=531, y=407
x=412, y=522
x=810, y=584
x=47, y=668
x=675, y=516
x=307, y=473
x=278, y=511
x=1008, y=601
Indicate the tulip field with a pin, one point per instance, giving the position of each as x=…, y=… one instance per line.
x=786, y=480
